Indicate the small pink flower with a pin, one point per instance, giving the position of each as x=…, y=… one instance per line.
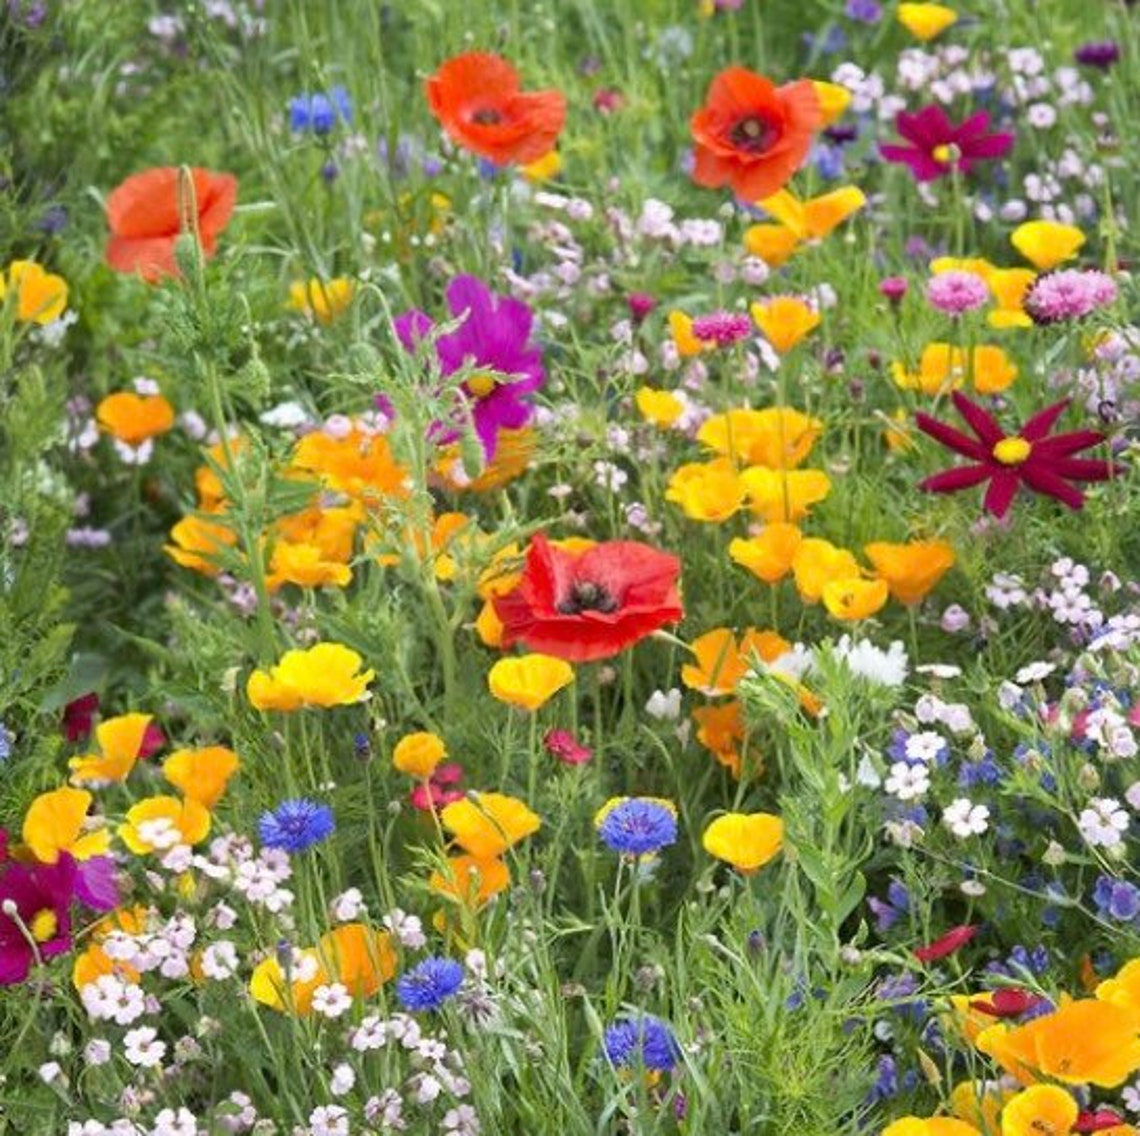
x=893, y=288
x=957, y=292
x=566, y=748
x=1069, y=294
x=722, y=328
x=438, y=791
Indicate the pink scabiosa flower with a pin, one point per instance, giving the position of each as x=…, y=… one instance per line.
x=955, y=293
x=937, y=147
x=1068, y=294
x=893, y=288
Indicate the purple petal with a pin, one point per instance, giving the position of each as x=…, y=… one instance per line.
x=412, y=327
x=95, y=883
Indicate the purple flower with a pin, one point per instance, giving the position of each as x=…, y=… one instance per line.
x=494, y=335
x=1099, y=53
x=864, y=11
x=938, y=147
x=1117, y=898
x=1069, y=294
x=957, y=292
x=35, y=902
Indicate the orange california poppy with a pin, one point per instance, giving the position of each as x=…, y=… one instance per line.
x=477, y=100
x=144, y=218
x=751, y=134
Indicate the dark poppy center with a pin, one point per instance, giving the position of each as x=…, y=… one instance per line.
x=585, y=595
x=753, y=134
x=487, y=116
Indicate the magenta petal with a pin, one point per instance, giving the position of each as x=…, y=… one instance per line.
x=1052, y=485
x=952, y=439
x=95, y=883
x=980, y=421
x=993, y=146
x=1083, y=469
x=412, y=327
x=951, y=480
x=1000, y=495
x=1037, y=427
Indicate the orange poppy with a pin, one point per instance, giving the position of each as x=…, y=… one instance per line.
x=477, y=100
x=753, y=135
x=143, y=214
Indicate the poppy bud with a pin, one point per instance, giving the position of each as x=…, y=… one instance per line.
x=471, y=455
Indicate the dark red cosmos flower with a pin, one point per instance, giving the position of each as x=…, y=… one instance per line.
x=79, y=716
x=35, y=901
x=1007, y=1002
x=587, y=605
x=1032, y=457
x=938, y=147
x=953, y=940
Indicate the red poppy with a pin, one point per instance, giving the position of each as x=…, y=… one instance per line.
x=753, y=135
x=79, y=716
x=953, y=940
x=1007, y=1002
x=143, y=214
x=477, y=100
x=590, y=604
x=1032, y=457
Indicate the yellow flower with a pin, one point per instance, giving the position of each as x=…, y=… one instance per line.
x=1123, y=989
x=706, y=491
x=897, y=436
x=55, y=823
x=201, y=774
x=854, y=598
x=785, y=320
x=930, y=1126
x=119, y=740
x=818, y=563
x=306, y=566
x=489, y=824
x=925, y=21
x=159, y=823
x=777, y=437
x=40, y=296
x=833, y=101
x=134, y=418
x=322, y=300
x=1039, y=1109
x=1086, y=1040
x=660, y=407
x=1045, y=244
x=978, y=265
x=687, y=344
x=529, y=681
x=199, y=543
x=418, y=754
x=979, y=1103
x=911, y=570
x=722, y=663
x=488, y=625
x=544, y=168
x=944, y=367
x=1009, y=286
x=769, y=555
x=747, y=841
x=471, y=881
x=799, y=222
x=784, y=495
x=325, y=675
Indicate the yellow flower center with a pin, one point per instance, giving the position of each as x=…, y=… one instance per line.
x=44, y=925
x=1012, y=451
x=947, y=153
x=481, y=385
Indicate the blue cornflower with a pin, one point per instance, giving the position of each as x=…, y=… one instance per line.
x=5, y=742
x=865, y=11
x=296, y=825
x=429, y=984
x=1117, y=898
x=886, y=1080
x=984, y=771
x=646, y=1042
x=319, y=113
x=638, y=827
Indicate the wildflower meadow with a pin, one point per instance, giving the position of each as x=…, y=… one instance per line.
x=569, y=566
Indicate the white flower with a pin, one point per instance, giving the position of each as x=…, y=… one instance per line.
x=370, y=1034
x=427, y=1088
x=50, y=1071
x=348, y=906
x=1130, y=1095
x=142, y=1047
x=462, y=1121
x=1132, y=795
x=926, y=746
x=171, y=1123
x=867, y=774
x=342, y=1080
x=972, y=888
x=407, y=928
x=963, y=818
x=864, y=660
x=112, y=999
x=331, y=1000
x=329, y=1120
x=1034, y=672
x=1103, y=822
x=97, y=1051
x=220, y=960
x=664, y=705
x=907, y=782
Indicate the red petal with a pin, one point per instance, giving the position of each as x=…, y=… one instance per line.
x=1043, y=421
x=1061, y=444
x=951, y=480
x=952, y=439
x=1083, y=469
x=952, y=941
x=1044, y=480
x=980, y=421
x=1001, y=493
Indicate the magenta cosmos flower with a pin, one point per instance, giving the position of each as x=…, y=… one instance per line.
x=495, y=334
x=35, y=903
x=1032, y=457
x=937, y=146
